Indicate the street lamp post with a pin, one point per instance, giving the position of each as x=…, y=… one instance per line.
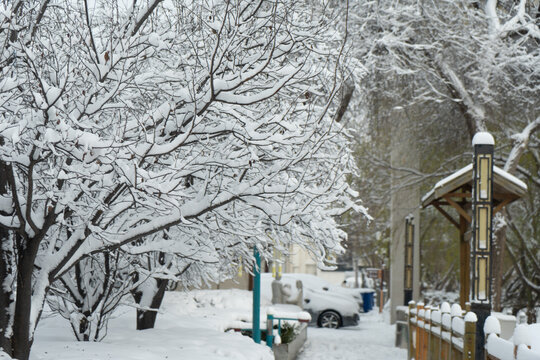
x=482, y=206
x=256, y=331
x=409, y=251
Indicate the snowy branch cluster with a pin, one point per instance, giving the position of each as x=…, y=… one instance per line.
x=193, y=129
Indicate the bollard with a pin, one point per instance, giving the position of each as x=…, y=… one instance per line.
x=270, y=328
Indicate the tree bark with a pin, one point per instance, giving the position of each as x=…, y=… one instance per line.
x=146, y=319
x=23, y=303
x=6, y=296
x=6, y=269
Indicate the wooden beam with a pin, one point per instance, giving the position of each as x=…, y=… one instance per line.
x=459, y=195
x=501, y=205
x=438, y=202
x=446, y=215
x=501, y=196
x=464, y=263
x=459, y=209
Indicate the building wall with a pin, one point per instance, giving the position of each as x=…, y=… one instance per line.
x=405, y=201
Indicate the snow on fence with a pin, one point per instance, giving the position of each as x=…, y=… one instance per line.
x=524, y=345
x=447, y=333
x=273, y=315
x=273, y=336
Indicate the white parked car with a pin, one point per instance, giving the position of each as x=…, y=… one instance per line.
x=328, y=308
x=316, y=283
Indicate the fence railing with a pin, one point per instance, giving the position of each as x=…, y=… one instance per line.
x=274, y=321
x=272, y=316
x=519, y=348
x=445, y=333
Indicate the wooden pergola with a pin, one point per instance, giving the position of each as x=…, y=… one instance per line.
x=455, y=191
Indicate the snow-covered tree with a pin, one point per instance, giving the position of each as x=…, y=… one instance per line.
x=522, y=280
x=119, y=120
x=473, y=63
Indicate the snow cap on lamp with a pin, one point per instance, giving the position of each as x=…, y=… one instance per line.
x=483, y=138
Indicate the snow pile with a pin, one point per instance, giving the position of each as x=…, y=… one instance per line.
x=470, y=317
x=500, y=348
x=458, y=325
x=190, y=326
x=528, y=335
x=492, y=326
x=526, y=338
x=455, y=310
x=289, y=312
x=4, y=356
x=524, y=353
x=445, y=307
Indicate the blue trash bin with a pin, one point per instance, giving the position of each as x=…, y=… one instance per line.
x=368, y=299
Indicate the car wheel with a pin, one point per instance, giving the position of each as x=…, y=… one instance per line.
x=329, y=319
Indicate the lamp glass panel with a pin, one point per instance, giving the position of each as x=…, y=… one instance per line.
x=409, y=233
x=409, y=256
x=408, y=278
x=484, y=178
x=482, y=278
x=483, y=227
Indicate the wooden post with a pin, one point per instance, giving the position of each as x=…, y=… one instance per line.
x=435, y=350
x=469, y=340
x=464, y=263
x=412, y=333
x=427, y=333
x=444, y=346
x=419, y=331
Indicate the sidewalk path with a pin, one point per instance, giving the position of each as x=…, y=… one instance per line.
x=372, y=339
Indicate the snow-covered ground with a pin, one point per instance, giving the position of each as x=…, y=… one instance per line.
x=372, y=339
x=191, y=326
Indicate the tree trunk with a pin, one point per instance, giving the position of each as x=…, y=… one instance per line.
x=6, y=269
x=499, y=246
x=6, y=295
x=146, y=319
x=21, y=327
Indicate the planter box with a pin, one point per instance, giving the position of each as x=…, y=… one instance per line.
x=290, y=351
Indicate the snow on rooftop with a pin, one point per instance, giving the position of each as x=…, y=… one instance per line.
x=447, y=180
x=510, y=177
x=497, y=170
x=483, y=138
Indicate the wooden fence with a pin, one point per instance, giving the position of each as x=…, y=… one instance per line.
x=498, y=348
x=445, y=333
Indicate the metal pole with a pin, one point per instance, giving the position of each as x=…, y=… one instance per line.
x=257, y=298
x=381, y=294
x=269, y=328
